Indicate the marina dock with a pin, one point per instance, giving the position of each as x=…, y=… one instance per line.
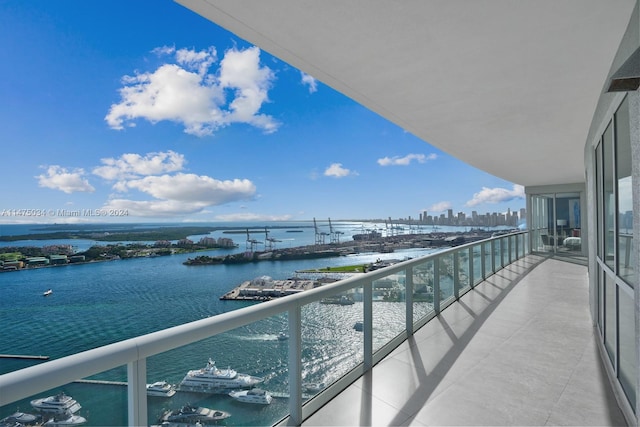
x=265, y=288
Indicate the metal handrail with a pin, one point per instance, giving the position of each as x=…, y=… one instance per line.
x=133, y=352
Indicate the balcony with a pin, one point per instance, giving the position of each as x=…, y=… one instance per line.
x=519, y=349
x=515, y=345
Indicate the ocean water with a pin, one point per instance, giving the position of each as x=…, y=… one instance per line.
x=97, y=304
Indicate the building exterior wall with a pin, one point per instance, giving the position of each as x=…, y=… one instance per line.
x=614, y=291
x=635, y=153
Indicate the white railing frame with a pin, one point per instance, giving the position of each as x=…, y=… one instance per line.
x=134, y=352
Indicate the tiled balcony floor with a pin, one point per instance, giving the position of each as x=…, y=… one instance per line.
x=512, y=352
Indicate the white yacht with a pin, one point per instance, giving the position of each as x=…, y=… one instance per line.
x=255, y=395
x=68, y=420
x=210, y=377
x=313, y=387
x=192, y=414
x=19, y=418
x=160, y=389
x=58, y=404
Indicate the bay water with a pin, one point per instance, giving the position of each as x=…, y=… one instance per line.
x=101, y=303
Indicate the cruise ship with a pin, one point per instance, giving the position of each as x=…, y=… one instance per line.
x=211, y=378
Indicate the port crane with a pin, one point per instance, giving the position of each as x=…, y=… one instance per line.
x=271, y=242
x=252, y=244
x=335, y=234
x=391, y=227
x=320, y=235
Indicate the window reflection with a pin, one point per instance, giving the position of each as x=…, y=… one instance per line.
x=608, y=196
x=624, y=193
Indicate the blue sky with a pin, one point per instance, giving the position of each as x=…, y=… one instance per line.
x=146, y=108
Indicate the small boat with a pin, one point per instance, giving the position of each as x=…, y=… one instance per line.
x=283, y=336
x=255, y=395
x=58, y=404
x=19, y=418
x=192, y=414
x=358, y=326
x=313, y=387
x=68, y=420
x=47, y=293
x=161, y=389
x=339, y=300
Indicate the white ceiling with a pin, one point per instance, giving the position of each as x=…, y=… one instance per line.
x=509, y=87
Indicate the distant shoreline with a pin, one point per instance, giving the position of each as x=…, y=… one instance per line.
x=145, y=235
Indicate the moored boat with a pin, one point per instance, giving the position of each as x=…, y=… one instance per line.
x=160, y=389
x=47, y=292
x=58, y=404
x=210, y=378
x=193, y=414
x=255, y=395
x=313, y=387
x=19, y=418
x=68, y=420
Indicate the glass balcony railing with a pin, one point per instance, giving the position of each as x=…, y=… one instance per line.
x=302, y=349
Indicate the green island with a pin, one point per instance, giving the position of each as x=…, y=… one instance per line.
x=134, y=234
x=15, y=258
x=141, y=235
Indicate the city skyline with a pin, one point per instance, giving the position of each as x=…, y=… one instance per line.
x=159, y=115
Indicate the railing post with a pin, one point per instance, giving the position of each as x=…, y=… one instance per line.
x=510, y=248
x=456, y=275
x=470, y=268
x=408, y=297
x=493, y=256
x=483, y=257
x=137, y=392
x=436, y=285
x=367, y=298
x=295, y=366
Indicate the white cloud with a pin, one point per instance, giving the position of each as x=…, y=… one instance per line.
x=406, y=160
x=181, y=194
x=193, y=189
x=307, y=80
x=185, y=93
x=200, y=61
x=252, y=217
x=154, y=208
x=440, y=207
x=496, y=195
x=132, y=165
x=241, y=71
x=59, y=178
x=337, y=171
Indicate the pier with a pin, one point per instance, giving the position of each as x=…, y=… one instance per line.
x=265, y=288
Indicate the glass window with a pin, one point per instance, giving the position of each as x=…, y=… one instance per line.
x=610, y=317
x=568, y=222
x=609, y=207
x=624, y=195
x=599, y=201
x=627, y=336
x=600, y=293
